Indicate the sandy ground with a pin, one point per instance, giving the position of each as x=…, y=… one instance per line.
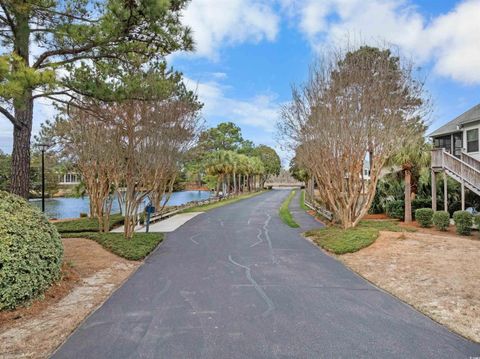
x=436, y=273
x=90, y=276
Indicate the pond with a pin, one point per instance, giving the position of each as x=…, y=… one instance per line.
x=67, y=207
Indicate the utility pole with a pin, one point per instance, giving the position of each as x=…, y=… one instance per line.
x=43, y=147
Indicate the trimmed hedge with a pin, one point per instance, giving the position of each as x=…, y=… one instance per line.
x=441, y=220
x=424, y=217
x=395, y=209
x=31, y=252
x=418, y=203
x=476, y=220
x=86, y=224
x=463, y=221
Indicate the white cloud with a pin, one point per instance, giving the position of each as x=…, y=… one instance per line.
x=451, y=41
x=455, y=42
x=260, y=111
x=216, y=23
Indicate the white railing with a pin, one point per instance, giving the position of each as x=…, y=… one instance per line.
x=320, y=210
x=470, y=160
x=460, y=168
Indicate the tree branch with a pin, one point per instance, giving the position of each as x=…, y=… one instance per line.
x=8, y=19
x=81, y=57
x=60, y=52
x=48, y=94
x=70, y=16
x=8, y=115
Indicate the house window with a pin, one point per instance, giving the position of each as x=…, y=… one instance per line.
x=472, y=140
x=443, y=142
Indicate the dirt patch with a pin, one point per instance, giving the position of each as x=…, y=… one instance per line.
x=90, y=274
x=376, y=216
x=437, y=274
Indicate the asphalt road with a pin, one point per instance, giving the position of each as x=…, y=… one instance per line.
x=236, y=282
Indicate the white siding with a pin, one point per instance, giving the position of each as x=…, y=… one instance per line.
x=467, y=127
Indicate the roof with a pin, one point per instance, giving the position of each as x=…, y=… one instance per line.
x=450, y=127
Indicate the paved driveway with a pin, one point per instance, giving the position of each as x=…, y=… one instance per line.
x=236, y=282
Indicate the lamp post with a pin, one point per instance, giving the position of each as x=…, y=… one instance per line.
x=43, y=147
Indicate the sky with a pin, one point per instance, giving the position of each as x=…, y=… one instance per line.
x=250, y=52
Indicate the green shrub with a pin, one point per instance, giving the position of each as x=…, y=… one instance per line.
x=395, y=209
x=441, y=220
x=476, y=220
x=463, y=221
x=424, y=217
x=418, y=203
x=134, y=249
x=86, y=224
x=31, y=252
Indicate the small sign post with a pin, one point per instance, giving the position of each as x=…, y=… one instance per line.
x=149, y=209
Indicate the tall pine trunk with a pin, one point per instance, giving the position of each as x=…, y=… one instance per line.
x=21, y=148
x=23, y=116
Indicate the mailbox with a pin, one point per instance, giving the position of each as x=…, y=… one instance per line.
x=149, y=209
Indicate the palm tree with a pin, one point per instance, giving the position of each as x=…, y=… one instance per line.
x=412, y=158
x=242, y=169
x=215, y=167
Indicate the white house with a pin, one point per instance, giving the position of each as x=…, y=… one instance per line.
x=460, y=134
x=456, y=154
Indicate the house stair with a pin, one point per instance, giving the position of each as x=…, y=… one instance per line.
x=465, y=170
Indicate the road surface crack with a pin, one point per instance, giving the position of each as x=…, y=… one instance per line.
x=259, y=236
x=259, y=289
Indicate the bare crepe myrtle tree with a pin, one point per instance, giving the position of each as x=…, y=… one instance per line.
x=131, y=148
x=151, y=138
x=87, y=141
x=357, y=107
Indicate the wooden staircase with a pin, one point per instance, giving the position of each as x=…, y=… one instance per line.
x=465, y=170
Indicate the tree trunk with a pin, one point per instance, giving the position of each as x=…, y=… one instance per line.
x=23, y=116
x=21, y=152
x=408, y=196
x=234, y=183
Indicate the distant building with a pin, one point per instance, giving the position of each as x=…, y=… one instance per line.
x=70, y=179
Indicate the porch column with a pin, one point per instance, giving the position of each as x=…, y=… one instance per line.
x=463, y=195
x=434, y=191
x=445, y=191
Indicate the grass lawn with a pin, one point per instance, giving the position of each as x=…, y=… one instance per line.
x=135, y=249
x=86, y=224
x=302, y=201
x=207, y=207
x=340, y=241
x=285, y=214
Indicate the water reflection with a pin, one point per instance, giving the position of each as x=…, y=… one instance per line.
x=64, y=207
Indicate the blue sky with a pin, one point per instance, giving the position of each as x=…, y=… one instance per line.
x=249, y=52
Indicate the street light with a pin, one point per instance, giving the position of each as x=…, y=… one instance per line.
x=43, y=147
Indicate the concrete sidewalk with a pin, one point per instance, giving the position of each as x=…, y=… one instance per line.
x=305, y=221
x=167, y=225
